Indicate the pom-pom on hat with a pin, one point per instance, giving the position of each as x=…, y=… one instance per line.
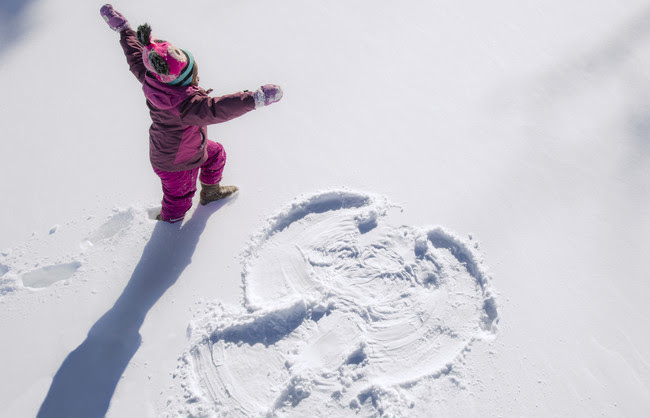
x=166, y=62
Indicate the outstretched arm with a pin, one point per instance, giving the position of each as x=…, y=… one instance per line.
x=203, y=110
x=128, y=40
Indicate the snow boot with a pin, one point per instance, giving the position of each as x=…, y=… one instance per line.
x=212, y=192
x=160, y=218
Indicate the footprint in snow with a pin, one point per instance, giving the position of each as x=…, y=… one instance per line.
x=342, y=314
x=118, y=222
x=48, y=275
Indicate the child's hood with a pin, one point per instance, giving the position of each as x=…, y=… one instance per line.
x=164, y=96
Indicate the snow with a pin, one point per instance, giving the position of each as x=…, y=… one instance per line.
x=446, y=214
x=356, y=309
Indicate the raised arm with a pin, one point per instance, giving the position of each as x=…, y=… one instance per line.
x=128, y=40
x=133, y=52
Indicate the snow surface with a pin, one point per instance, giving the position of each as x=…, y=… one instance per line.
x=346, y=278
x=341, y=315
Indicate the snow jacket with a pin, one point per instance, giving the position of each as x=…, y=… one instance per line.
x=180, y=115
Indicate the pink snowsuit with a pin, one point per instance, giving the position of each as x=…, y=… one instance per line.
x=178, y=144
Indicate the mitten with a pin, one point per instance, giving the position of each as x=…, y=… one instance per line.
x=267, y=94
x=115, y=20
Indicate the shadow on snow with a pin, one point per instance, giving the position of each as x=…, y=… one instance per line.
x=13, y=24
x=86, y=381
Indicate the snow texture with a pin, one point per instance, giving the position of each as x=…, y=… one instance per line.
x=342, y=314
x=524, y=124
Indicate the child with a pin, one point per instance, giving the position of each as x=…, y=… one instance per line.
x=180, y=111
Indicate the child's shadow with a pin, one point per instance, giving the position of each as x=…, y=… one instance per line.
x=86, y=381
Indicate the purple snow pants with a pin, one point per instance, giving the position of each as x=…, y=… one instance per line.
x=179, y=186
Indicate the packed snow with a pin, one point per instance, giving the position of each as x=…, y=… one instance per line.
x=341, y=315
x=446, y=215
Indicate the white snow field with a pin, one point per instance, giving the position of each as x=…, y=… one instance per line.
x=446, y=215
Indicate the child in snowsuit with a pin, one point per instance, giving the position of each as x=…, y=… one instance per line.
x=180, y=110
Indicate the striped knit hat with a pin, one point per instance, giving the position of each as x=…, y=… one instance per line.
x=166, y=62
